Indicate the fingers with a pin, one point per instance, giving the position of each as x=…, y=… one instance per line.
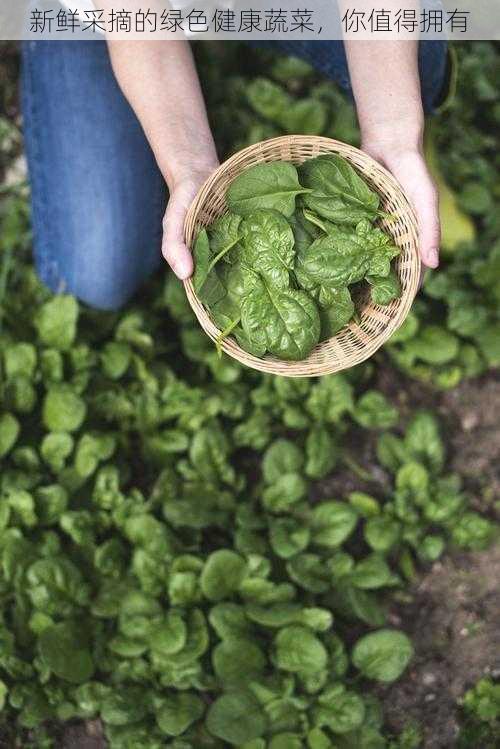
x=415, y=179
x=427, y=208
x=411, y=172
x=174, y=248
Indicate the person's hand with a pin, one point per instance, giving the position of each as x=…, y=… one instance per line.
x=409, y=168
x=182, y=194
x=176, y=126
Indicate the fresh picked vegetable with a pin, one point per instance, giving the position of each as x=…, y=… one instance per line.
x=279, y=269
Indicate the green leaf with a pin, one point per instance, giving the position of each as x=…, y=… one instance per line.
x=382, y=655
x=337, y=313
x=237, y=660
x=224, y=233
x=178, y=712
x=488, y=340
x=56, y=322
x=285, y=741
x=298, y=650
x=423, y=440
x=288, y=537
x=9, y=432
x=321, y=452
x=115, y=358
x=285, y=492
x=284, y=321
x=339, y=710
x=236, y=717
x=332, y=261
x=64, y=652
x=374, y=411
x=63, y=409
x=317, y=739
x=308, y=116
x=169, y=636
x=434, y=345
x=309, y=571
x=272, y=185
x=205, y=280
x=268, y=99
x=20, y=359
x=372, y=572
x=384, y=288
x=332, y=522
x=338, y=192
x=229, y=621
x=282, y=614
x=124, y=706
x=222, y=574
x=282, y=456
x=382, y=533
x=268, y=241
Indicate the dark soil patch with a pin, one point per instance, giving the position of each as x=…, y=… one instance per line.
x=476, y=442
x=84, y=736
x=453, y=622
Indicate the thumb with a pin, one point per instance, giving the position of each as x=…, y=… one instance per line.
x=174, y=248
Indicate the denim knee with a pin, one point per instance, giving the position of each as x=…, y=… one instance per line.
x=98, y=196
x=99, y=273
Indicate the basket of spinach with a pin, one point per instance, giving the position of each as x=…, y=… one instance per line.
x=305, y=254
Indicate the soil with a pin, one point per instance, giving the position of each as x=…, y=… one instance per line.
x=453, y=622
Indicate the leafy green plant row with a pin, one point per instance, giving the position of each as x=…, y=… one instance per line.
x=162, y=564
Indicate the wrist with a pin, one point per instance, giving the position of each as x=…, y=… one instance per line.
x=385, y=140
x=190, y=162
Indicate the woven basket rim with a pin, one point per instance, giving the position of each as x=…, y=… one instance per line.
x=328, y=356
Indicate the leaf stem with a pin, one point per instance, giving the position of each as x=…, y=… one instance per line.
x=224, y=333
x=221, y=254
x=356, y=468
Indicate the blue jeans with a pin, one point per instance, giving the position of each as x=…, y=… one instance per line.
x=98, y=196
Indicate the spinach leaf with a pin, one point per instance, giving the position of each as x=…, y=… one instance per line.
x=251, y=347
x=268, y=247
x=382, y=655
x=338, y=193
x=226, y=313
x=332, y=261
x=224, y=234
x=285, y=321
x=311, y=219
x=338, y=313
x=274, y=185
x=382, y=248
x=384, y=288
x=302, y=235
x=206, y=282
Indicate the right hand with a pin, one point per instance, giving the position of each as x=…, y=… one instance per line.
x=182, y=194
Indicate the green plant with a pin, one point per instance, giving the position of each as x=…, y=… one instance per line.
x=284, y=285
x=481, y=716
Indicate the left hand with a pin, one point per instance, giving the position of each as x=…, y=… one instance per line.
x=409, y=168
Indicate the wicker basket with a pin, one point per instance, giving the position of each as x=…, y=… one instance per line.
x=358, y=340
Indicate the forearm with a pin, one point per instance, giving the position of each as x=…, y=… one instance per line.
x=159, y=80
x=386, y=86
